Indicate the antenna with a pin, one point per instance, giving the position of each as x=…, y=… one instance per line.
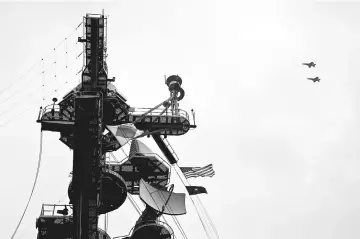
x=194, y=116
x=53, y=109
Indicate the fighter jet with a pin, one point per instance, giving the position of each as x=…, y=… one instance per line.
x=309, y=64
x=314, y=79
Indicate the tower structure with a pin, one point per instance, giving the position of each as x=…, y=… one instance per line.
x=80, y=120
x=85, y=118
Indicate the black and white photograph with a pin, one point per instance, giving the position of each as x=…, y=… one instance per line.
x=179, y=119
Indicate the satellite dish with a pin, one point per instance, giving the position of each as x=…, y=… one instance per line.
x=162, y=201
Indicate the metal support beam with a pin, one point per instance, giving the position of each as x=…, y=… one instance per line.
x=88, y=156
x=94, y=51
x=167, y=153
x=86, y=164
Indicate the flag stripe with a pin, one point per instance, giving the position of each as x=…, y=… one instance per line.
x=197, y=175
x=190, y=172
x=205, y=172
x=201, y=171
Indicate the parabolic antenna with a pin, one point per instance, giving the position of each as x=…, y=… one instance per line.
x=173, y=203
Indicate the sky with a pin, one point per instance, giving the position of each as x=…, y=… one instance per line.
x=285, y=150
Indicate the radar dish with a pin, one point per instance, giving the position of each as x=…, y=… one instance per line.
x=173, y=203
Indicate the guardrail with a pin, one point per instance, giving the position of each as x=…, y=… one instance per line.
x=159, y=112
x=49, y=108
x=49, y=209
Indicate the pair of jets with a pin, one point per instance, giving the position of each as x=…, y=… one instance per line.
x=312, y=64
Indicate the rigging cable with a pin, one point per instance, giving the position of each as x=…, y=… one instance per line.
x=174, y=218
x=131, y=199
x=25, y=110
x=66, y=56
x=137, y=208
x=176, y=169
x=36, y=63
x=28, y=226
x=207, y=215
x=54, y=69
x=43, y=79
x=134, y=203
x=20, y=77
x=19, y=90
x=32, y=191
x=199, y=215
x=21, y=113
x=32, y=92
x=199, y=200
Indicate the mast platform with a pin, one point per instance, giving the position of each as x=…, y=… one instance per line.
x=55, y=222
x=54, y=119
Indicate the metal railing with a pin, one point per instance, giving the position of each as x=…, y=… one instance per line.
x=49, y=108
x=158, y=112
x=113, y=91
x=56, y=108
x=51, y=209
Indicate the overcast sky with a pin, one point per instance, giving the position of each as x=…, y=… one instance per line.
x=285, y=149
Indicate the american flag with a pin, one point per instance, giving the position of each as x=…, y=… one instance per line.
x=206, y=171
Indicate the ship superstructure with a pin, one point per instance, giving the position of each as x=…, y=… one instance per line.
x=94, y=119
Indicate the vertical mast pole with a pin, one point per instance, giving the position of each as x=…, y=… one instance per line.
x=87, y=138
x=94, y=51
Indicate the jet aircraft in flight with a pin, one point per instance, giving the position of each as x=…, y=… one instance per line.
x=309, y=64
x=314, y=79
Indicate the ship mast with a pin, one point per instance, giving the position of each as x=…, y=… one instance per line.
x=99, y=187
x=88, y=128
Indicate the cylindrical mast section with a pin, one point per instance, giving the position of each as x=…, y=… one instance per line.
x=86, y=164
x=94, y=51
x=88, y=131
